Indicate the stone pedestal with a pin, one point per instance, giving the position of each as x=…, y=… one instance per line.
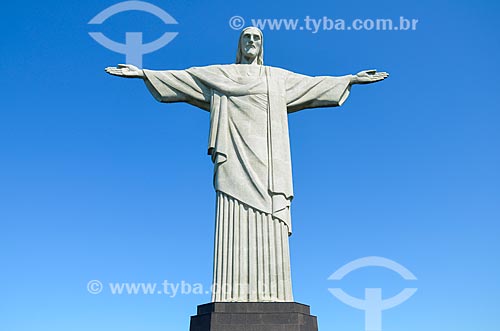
x=253, y=316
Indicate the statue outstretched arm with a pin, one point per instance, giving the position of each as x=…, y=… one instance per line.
x=304, y=92
x=168, y=85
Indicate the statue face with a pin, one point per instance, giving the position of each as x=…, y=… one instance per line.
x=251, y=43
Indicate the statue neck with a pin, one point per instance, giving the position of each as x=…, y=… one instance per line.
x=249, y=60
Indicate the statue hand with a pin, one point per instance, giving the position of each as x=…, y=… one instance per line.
x=125, y=70
x=368, y=76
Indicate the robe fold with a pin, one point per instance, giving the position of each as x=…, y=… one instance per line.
x=249, y=123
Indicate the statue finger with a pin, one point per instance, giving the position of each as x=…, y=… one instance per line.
x=116, y=72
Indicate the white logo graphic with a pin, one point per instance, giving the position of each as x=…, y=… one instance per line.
x=373, y=304
x=133, y=48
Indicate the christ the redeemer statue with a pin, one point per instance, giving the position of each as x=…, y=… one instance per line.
x=249, y=145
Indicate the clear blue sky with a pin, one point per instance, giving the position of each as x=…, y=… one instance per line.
x=100, y=181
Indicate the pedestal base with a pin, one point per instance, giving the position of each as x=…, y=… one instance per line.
x=253, y=316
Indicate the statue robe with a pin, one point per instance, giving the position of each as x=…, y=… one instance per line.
x=249, y=145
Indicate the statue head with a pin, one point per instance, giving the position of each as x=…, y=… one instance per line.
x=250, y=46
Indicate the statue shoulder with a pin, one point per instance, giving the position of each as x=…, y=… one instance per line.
x=280, y=72
x=213, y=68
